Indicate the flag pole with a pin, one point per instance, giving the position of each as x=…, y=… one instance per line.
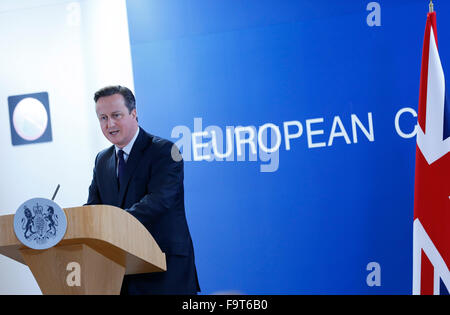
x=431, y=6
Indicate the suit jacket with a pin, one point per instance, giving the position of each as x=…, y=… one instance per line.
x=153, y=192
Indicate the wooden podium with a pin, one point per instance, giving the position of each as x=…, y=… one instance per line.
x=103, y=242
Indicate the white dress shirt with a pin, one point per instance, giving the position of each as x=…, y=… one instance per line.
x=126, y=150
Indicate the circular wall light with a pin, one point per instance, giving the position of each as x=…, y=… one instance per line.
x=30, y=119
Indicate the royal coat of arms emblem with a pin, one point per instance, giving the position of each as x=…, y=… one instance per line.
x=40, y=223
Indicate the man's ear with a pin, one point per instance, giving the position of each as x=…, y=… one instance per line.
x=134, y=114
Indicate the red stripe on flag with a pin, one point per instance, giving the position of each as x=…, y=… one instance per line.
x=431, y=201
x=431, y=23
x=426, y=279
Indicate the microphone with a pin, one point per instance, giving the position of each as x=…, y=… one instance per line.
x=56, y=191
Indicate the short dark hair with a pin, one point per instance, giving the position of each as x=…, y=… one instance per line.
x=130, y=101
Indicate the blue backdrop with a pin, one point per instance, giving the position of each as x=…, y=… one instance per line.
x=330, y=205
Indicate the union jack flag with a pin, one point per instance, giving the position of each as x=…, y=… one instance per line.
x=431, y=245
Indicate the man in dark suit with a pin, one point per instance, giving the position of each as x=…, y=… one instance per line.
x=143, y=174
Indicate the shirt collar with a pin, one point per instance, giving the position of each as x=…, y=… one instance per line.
x=127, y=149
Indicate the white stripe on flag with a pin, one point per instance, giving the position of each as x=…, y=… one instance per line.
x=431, y=141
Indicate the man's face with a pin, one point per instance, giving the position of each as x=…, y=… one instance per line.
x=118, y=125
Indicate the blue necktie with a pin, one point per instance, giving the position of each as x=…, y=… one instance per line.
x=121, y=167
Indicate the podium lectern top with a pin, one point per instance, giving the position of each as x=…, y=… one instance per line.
x=111, y=231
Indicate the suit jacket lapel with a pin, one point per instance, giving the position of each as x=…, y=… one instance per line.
x=133, y=161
